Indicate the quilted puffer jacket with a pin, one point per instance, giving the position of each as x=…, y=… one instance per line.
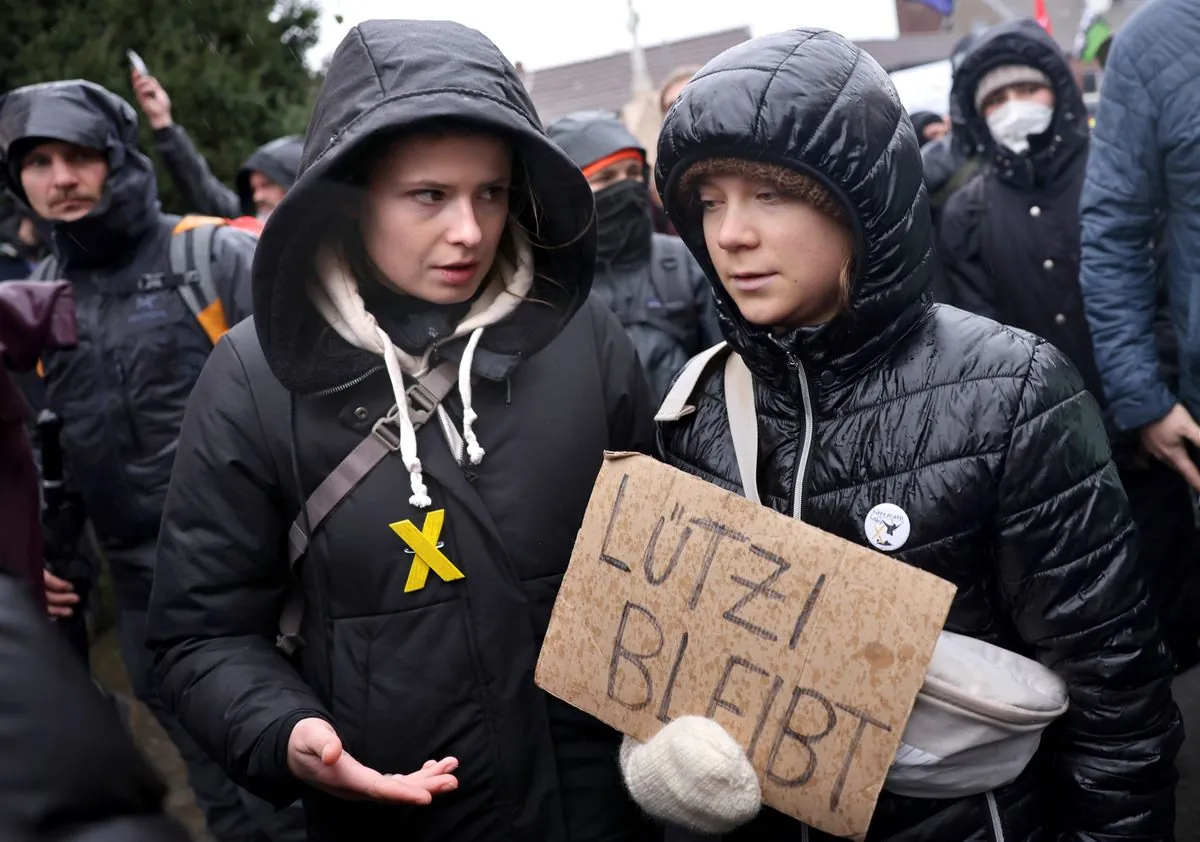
x=982, y=434
x=1140, y=212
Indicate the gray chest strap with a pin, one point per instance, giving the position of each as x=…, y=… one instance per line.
x=424, y=397
x=739, y=408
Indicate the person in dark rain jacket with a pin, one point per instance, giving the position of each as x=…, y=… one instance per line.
x=1010, y=243
x=453, y=246
x=262, y=180
x=981, y=438
x=650, y=281
x=70, y=155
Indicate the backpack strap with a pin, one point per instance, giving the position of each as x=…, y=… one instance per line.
x=47, y=270
x=739, y=408
x=743, y=423
x=191, y=262
x=424, y=396
x=675, y=405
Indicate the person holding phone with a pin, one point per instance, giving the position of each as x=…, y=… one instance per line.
x=261, y=182
x=70, y=155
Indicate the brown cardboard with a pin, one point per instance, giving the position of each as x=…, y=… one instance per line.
x=864, y=627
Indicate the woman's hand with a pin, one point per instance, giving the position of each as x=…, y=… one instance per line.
x=316, y=756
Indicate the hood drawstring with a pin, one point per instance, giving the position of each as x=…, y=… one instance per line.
x=475, y=451
x=408, y=434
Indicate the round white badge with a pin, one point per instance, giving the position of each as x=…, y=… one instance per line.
x=887, y=527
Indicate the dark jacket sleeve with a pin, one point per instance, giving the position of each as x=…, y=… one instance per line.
x=202, y=190
x=1068, y=569
x=968, y=281
x=627, y=392
x=69, y=768
x=221, y=583
x=1119, y=211
x=233, y=255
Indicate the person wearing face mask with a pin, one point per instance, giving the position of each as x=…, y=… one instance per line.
x=1011, y=244
x=649, y=280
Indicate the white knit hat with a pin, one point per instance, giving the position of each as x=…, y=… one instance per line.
x=1002, y=77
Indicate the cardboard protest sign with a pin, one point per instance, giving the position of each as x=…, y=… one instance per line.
x=684, y=599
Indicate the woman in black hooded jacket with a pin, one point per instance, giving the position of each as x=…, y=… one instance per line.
x=436, y=246
x=794, y=177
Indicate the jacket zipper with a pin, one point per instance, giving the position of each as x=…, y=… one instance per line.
x=994, y=813
x=333, y=390
x=806, y=443
x=129, y=416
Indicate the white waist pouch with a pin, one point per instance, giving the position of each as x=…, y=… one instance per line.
x=979, y=717
x=977, y=721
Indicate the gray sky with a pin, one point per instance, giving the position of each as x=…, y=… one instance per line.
x=544, y=33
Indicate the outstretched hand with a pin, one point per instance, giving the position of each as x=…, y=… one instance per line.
x=316, y=756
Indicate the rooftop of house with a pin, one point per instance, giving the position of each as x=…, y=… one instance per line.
x=606, y=83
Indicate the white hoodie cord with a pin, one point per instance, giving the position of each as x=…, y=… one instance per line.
x=408, y=433
x=475, y=451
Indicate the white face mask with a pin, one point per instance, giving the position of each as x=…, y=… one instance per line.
x=1013, y=123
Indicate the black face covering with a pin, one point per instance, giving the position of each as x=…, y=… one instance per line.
x=623, y=220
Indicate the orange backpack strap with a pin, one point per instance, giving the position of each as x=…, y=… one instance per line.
x=191, y=258
x=250, y=224
x=192, y=221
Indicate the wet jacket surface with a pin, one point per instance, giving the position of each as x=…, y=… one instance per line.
x=70, y=770
x=446, y=669
x=982, y=434
x=122, y=391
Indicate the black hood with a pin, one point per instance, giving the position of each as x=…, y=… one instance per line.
x=624, y=225
x=278, y=160
x=389, y=75
x=84, y=114
x=812, y=101
x=1021, y=42
x=588, y=136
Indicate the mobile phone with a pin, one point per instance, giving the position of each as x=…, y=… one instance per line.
x=135, y=61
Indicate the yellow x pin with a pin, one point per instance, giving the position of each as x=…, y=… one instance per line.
x=427, y=550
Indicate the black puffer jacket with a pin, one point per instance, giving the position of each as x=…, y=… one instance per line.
x=122, y=392
x=69, y=771
x=446, y=669
x=278, y=160
x=981, y=433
